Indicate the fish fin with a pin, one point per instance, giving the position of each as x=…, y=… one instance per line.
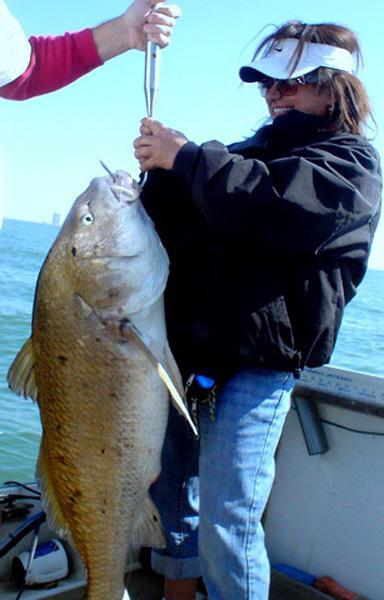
x=21, y=374
x=84, y=311
x=128, y=329
x=55, y=517
x=173, y=369
x=148, y=530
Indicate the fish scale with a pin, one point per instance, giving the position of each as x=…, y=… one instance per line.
x=110, y=429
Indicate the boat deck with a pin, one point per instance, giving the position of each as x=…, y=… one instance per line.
x=144, y=585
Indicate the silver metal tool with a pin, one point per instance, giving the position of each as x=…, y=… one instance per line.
x=151, y=82
x=35, y=540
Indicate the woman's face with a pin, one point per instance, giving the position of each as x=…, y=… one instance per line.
x=306, y=98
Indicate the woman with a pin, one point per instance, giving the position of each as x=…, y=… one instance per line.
x=268, y=240
x=46, y=63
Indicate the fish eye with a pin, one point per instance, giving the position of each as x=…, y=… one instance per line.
x=87, y=219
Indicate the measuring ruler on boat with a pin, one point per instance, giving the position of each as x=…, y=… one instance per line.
x=352, y=388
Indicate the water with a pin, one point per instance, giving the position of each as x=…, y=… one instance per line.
x=23, y=247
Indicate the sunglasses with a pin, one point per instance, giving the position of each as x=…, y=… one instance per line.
x=288, y=87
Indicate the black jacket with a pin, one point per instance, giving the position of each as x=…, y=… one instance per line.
x=268, y=240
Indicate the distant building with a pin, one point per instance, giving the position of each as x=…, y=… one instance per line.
x=55, y=219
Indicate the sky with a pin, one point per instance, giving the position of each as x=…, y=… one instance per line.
x=51, y=145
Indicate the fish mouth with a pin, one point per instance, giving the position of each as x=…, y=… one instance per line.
x=129, y=194
x=122, y=185
x=112, y=258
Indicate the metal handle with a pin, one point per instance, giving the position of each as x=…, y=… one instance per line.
x=151, y=83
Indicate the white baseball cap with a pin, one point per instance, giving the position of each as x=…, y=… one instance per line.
x=277, y=61
x=15, y=50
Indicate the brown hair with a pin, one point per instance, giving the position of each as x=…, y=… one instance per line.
x=352, y=107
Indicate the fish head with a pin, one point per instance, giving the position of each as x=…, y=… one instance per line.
x=108, y=250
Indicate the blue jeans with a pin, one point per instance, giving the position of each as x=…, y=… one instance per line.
x=235, y=461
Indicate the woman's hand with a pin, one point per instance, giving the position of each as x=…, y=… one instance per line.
x=157, y=145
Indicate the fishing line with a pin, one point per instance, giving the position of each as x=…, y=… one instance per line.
x=351, y=429
x=20, y=592
x=22, y=485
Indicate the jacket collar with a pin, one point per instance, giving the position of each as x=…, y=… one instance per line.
x=285, y=132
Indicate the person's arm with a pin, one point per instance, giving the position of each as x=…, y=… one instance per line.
x=57, y=61
x=131, y=30
x=310, y=201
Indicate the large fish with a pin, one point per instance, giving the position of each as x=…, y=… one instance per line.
x=94, y=364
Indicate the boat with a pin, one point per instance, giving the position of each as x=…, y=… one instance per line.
x=325, y=515
x=324, y=522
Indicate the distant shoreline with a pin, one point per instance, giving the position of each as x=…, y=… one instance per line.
x=32, y=222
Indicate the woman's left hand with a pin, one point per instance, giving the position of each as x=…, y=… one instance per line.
x=157, y=145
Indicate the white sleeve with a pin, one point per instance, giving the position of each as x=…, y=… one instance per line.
x=15, y=50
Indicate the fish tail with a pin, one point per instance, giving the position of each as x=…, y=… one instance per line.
x=105, y=591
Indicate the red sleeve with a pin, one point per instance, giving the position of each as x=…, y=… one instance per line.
x=56, y=61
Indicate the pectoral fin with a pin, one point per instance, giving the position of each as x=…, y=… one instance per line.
x=148, y=531
x=173, y=370
x=129, y=330
x=55, y=517
x=21, y=374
